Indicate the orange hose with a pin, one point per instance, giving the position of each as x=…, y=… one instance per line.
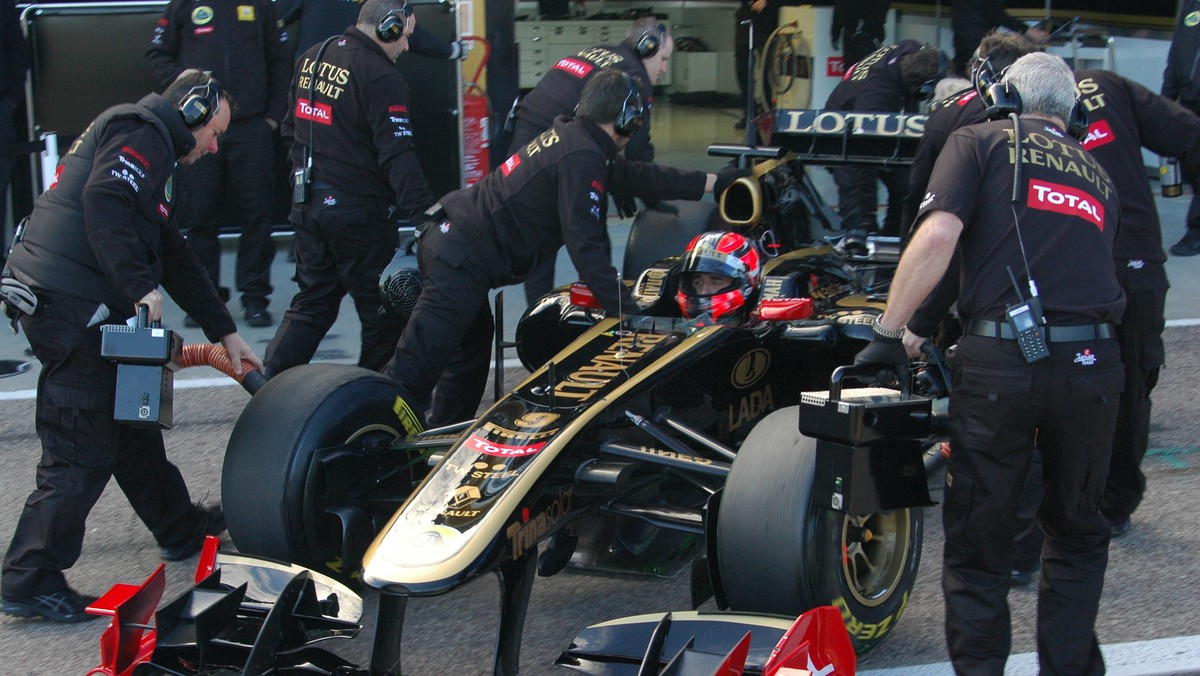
x=215, y=356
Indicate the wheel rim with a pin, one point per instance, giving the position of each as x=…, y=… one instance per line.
x=875, y=554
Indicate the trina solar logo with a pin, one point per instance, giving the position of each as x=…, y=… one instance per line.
x=1064, y=199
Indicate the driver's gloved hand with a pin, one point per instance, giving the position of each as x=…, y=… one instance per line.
x=885, y=352
x=625, y=204
x=725, y=178
x=659, y=205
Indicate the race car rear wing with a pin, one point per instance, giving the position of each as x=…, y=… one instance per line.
x=848, y=137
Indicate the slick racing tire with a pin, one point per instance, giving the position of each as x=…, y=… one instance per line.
x=657, y=234
x=778, y=553
x=308, y=469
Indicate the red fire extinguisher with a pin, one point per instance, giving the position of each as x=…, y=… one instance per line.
x=476, y=120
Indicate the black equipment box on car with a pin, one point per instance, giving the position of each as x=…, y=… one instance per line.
x=869, y=446
x=147, y=358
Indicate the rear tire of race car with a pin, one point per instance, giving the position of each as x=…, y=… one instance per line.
x=655, y=235
x=777, y=553
x=281, y=486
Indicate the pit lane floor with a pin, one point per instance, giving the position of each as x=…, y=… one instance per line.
x=1150, y=593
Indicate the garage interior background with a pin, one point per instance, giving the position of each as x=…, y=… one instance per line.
x=88, y=56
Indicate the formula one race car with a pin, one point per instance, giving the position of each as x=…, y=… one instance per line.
x=642, y=444
x=639, y=434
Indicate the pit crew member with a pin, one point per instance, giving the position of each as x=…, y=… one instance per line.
x=353, y=146
x=495, y=232
x=1123, y=117
x=98, y=243
x=243, y=47
x=894, y=78
x=643, y=54
x=1057, y=236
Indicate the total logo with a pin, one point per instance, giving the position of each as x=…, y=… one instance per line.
x=503, y=450
x=1099, y=133
x=1064, y=199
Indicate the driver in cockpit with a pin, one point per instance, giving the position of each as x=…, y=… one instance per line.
x=720, y=274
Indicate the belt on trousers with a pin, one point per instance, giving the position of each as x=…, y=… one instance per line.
x=1054, y=334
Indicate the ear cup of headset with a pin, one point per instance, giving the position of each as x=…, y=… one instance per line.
x=1077, y=126
x=393, y=24
x=629, y=120
x=999, y=98
x=199, y=105
x=651, y=41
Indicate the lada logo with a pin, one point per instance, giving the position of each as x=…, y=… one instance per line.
x=750, y=368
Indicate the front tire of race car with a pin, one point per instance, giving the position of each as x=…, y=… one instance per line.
x=778, y=553
x=308, y=469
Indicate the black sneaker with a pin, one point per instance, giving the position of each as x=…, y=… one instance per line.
x=64, y=606
x=258, y=317
x=212, y=522
x=1189, y=245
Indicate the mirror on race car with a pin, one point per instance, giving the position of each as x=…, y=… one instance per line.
x=785, y=309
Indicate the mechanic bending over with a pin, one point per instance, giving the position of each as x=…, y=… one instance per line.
x=98, y=244
x=1064, y=388
x=643, y=54
x=353, y=160
x=1123, y=118
x=495, y=232
x=892, y=79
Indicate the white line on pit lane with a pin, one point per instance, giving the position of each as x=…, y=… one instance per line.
x=193, y=383
x=1160, y=657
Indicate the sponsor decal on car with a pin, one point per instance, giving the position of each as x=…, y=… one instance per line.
x=750, y=407
x=526, y=533
x=750, y=368
x=583, y=383
x=806, y=121
x=483, y=445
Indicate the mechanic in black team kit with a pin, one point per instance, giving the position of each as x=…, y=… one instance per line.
x=1123, y=118
x=240, y=43
x=493, y=233
x=894, y=78
x=644, y=55
x=1056, y=236
x=99, y=242
x=351, y=132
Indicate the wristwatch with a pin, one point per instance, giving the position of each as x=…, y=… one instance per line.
x=885, y=332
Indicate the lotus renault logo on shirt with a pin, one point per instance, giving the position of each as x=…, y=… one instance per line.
x=202, y=15
x=750, y=368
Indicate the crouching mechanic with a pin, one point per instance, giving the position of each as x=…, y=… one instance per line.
x=97, y=245
x=495, y=232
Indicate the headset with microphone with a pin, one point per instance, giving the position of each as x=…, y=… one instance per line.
x=200, y=103
x=394, y=24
